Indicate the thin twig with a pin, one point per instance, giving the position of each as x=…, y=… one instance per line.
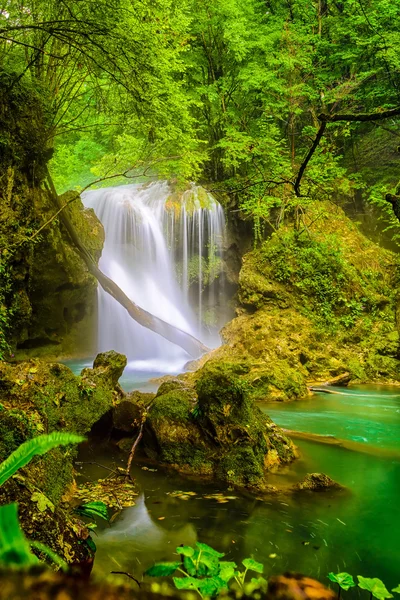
x=127, y=574
x=136, y=442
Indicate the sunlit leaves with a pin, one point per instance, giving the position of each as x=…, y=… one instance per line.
x=14, y=547
x=375, y=586
x=344, y=580
x=253, y=565
x=204, y=572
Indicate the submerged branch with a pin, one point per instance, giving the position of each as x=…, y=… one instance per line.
x=173, y=334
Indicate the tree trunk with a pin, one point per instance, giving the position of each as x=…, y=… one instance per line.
x=177, y=336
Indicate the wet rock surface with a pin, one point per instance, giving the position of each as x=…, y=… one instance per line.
x=317, y=482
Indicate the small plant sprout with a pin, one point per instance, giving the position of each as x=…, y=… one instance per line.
x=375, y=586
x=344, y=580
x=396, y=590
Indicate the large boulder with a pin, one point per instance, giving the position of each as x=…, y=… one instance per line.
x=308, y=313
x=215, y=430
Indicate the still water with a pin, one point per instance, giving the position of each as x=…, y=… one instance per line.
x=356, y=531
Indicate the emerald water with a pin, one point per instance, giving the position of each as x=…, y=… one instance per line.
x=313, y=533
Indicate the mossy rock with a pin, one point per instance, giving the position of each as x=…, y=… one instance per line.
x=221, y=435
x=317, y=482
x=38, y=397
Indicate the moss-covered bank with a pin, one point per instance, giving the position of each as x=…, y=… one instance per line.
x=36, y=398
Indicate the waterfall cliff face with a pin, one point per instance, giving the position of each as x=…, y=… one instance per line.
x=164, y=250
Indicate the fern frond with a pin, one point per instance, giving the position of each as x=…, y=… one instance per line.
x=38, y=445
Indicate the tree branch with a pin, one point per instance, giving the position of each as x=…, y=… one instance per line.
x=307, y=159
x=327, y=118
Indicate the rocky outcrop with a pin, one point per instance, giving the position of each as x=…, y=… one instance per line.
x=47, y=297
x=36, y=398
x=215, y=430
x=313, y=308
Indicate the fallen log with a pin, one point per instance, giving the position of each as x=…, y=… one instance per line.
x=173, y=334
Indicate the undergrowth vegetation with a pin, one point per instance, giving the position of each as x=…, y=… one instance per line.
x=329, y=287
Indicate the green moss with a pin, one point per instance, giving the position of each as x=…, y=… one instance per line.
x=241, y=467
x=15, y=428
x=175, y=405
x=53, y=473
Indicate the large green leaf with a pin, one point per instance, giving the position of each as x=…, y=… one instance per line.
x=185, y=550
x=253, y=565
x=375, y=586
x=227, y=570
x=211, y=562
x=38, y=445
x=344, y=580
x=208, y=550
x=162, y=569
x=211, y=586
x=93, y=509
x=189, y=564
x=14, y=547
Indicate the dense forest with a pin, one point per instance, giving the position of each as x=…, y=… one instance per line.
x=199, y=238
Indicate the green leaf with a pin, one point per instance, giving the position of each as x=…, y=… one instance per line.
x=93, y=509
x=375, y=586
x=211, y=562
x=227, y=570
x=185, y=583
x=90, y=543
x=57, y=560
x=14, y=547
x=185, y=550
x=344, y=580
x=38, y=445
x=259, y=581
x=208, y=550
x=396, y=589
x=211, y=586
x=189, y=564
x=253, y=565
x=162, y=569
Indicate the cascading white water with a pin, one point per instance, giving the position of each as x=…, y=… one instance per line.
x=162, y=249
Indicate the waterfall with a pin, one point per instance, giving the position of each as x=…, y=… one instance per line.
x=163, y=249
